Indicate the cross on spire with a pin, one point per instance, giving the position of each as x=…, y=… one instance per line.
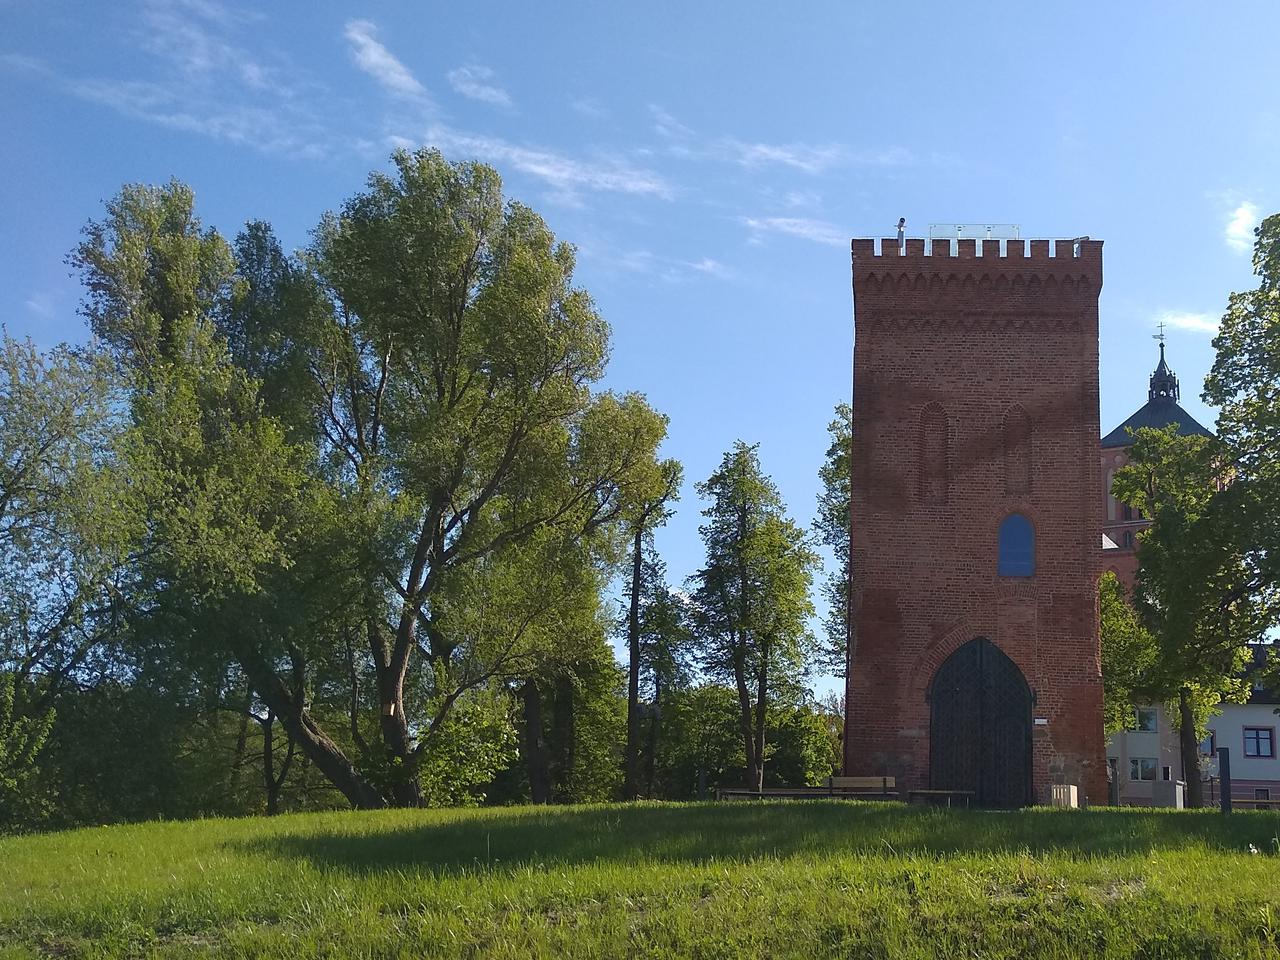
x=1159, y=336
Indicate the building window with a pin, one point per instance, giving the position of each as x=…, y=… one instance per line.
x=1142, y=768
x=1128, y=539
x=1262, y=793
x=1259, y=742
x=1017, y=547
x=1208, y=746
x=1127, y=512
x=1147, y=721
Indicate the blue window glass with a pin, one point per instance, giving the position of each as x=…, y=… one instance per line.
x=1017, y=547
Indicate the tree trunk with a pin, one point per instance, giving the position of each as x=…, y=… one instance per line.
x=391, y=665
x=1190, y=750
x=762, y=697
x=651, y=755
x=313, y=741
x=744, y=713
x=535, y=746
x=562, y=730
x=242, y=741
x=269, y=764
x=631, y=778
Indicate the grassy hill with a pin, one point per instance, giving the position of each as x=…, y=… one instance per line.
x=818, y=879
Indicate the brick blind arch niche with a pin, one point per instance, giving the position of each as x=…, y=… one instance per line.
x=933, y=454
x=1016, y=437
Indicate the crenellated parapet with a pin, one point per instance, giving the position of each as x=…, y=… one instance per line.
x=998, y=278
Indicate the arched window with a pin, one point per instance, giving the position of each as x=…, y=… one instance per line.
x=933, y=455
x=1017, y=547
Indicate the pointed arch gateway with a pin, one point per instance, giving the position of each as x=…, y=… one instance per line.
x=980, y=726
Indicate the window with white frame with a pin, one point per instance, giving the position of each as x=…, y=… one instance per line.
x=1146, y=720
x=1208, y=746
x=1142, y=768
x=1259, y=742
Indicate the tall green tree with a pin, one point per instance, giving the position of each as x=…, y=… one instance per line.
x=832, y=524
x=1197, y=590
x=461, y=487
x=1209, y=581
x=752, y=596
x=658, y=630
x=645, y=517
x=1129, y=655
x=66, y=535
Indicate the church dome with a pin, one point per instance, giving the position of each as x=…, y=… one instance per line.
x=1161, y=410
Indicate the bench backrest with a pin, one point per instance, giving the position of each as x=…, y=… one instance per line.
x=862, y=783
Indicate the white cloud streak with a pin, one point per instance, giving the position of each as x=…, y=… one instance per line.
x=41, y=304
x=380, y=63
x=665, y=125
x=1184, y=320
x=804, y=228
x=591, y=107
x=564, y=173
x=475, y=83
x=1240, y=225
x=205, y=83
x=712, y=268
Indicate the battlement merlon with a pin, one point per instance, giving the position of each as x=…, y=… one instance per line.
x=1052, y=251
x=919, y=272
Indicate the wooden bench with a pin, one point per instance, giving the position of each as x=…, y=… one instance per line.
x=1257, y=803
x=865, y=788
x=847, y=788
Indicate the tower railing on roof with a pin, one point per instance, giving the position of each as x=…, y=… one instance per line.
x=975, y=231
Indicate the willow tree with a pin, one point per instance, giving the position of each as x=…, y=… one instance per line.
x=431, y=486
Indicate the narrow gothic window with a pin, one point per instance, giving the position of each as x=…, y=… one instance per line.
x=1017, y=451
x=933, y=455
x=1017, y=547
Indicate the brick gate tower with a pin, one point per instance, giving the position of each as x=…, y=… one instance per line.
x=974, y=659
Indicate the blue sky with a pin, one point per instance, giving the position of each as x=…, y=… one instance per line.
x=709, y=160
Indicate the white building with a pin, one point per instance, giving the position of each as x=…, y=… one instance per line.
x=1150, y=752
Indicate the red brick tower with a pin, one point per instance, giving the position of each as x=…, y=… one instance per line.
x=974, y=662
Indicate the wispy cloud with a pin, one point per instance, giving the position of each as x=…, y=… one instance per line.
x=817, y=231
x=806, y=157
x=665, y=125
x=1240, y=225
x=1185, y=320
x=194, y=35
x=799, y=156
x=476, y=83
x=380, y=63
x=712, y=268
x=590, y=107
x=41, y=304
x=203, y=82
x=564, y=173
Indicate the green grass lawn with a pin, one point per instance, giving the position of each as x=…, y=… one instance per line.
x=815, y=879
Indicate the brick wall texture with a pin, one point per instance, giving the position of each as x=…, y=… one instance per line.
x=975, y=396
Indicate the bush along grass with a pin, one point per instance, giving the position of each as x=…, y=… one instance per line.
x=812, y=879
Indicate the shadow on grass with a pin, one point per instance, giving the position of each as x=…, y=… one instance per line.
x=507, y=840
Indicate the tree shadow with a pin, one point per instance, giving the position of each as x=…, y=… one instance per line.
x=508, y=839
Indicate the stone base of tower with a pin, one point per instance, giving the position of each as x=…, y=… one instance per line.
x=891, y=724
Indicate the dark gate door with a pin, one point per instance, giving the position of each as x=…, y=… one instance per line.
x=980, y=726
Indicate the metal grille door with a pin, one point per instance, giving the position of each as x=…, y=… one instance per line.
x=980, y=726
